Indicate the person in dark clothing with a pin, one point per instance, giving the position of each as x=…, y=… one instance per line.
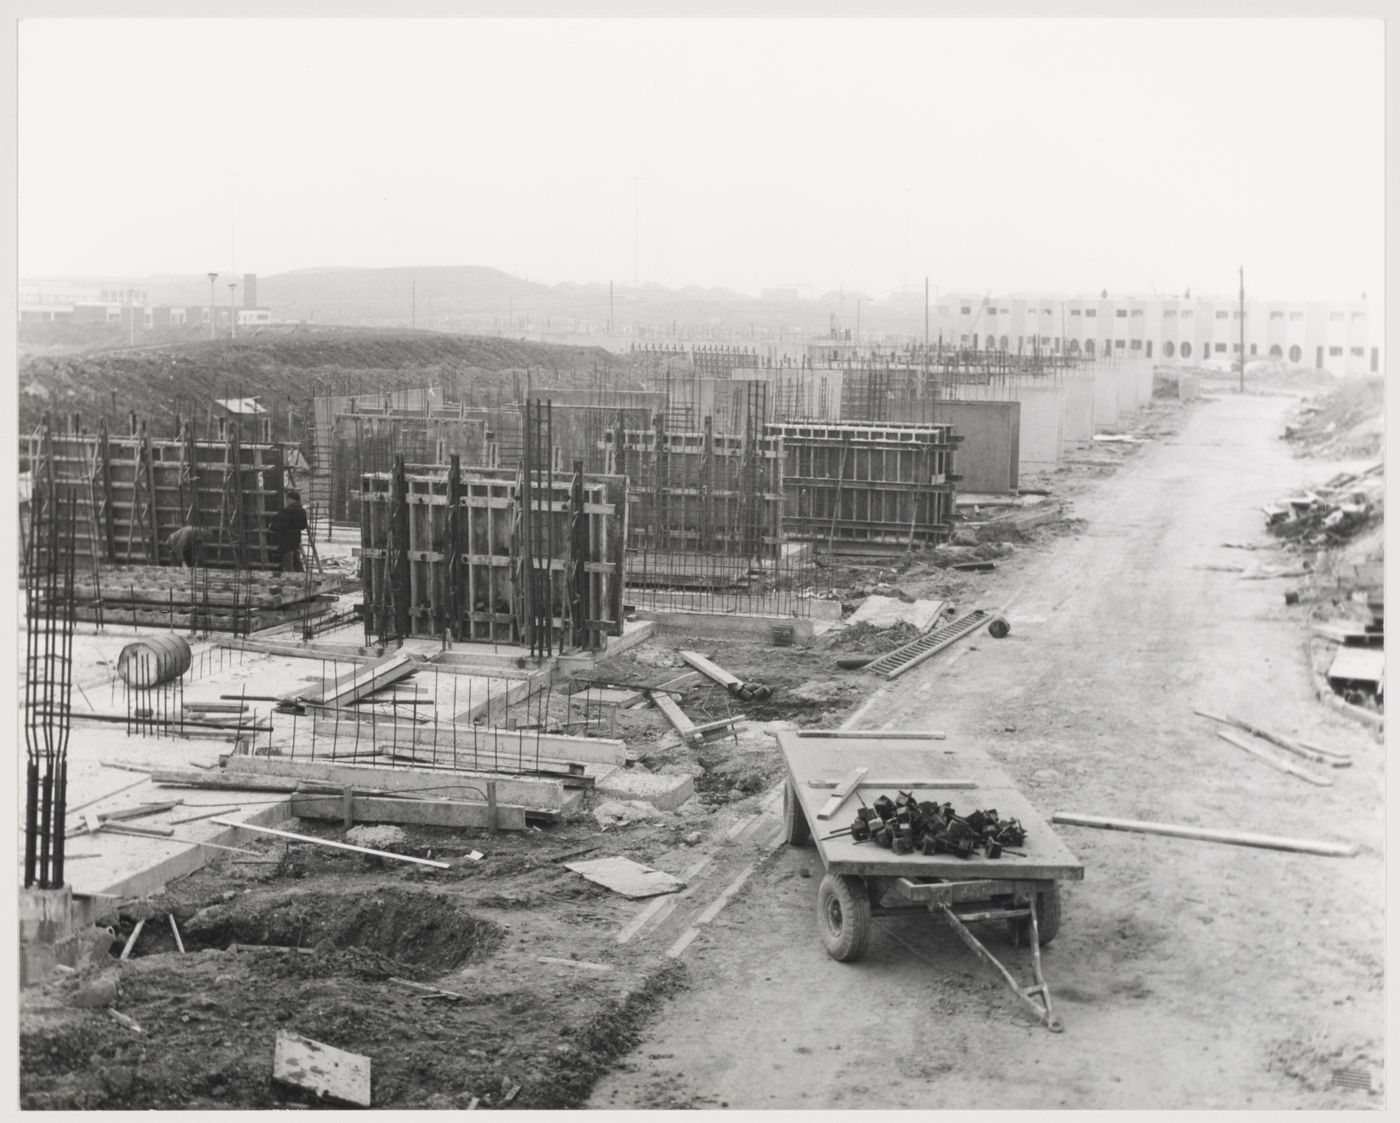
x=183, y=545
x=287, y=525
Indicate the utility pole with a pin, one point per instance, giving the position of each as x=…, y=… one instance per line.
x=212, y=278
x=1242, y=329
x=413, y=306
x=232, y=311
x=926, y=313
x=610, y=307
x=907, y=193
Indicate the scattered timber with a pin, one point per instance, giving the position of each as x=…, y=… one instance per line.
x=675, y=715
x=1297, y=748
x=1274, y=762
x=1202, y=834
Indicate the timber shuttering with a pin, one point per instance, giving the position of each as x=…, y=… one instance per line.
x=493, y=555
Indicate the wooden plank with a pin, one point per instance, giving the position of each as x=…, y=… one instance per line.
x=1358, y=664
x=131, y=940
x=900, y=785
x=1203, y=834
x=333, y=845
x=842, y=793
x=1307, y=752
x=322, y=1069
x=868, y=735
x=1273, y=761
x=710, y=670
x=484, y=742
x=530, y=793
x=675, y=715
x=215, y=781
x=624, y=876
x=420, y=812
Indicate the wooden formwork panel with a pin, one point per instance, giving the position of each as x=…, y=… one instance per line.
x=703, y=492
x=875, y=484
x=439, y=554
x=134, y=491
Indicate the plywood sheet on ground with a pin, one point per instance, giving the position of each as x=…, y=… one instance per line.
x=631, y=879
x=322, y=1069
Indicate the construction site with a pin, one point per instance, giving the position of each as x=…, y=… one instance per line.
x=511, y=784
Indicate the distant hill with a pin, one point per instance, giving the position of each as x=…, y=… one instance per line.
x=479, y=298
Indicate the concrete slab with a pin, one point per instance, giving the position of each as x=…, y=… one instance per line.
x=661, y=791
x=886, y=612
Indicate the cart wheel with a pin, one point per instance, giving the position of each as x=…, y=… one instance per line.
x=843, y=916
x=1047, y=917
x=796, y=830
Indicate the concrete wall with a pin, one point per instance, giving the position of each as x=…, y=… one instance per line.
x=989, y=458
x=1079, y=408
x=1042, y=424
x=1105, y=396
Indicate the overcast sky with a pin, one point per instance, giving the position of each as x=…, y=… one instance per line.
x=1007, y=154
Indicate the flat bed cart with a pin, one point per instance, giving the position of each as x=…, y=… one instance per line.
x=828, y=771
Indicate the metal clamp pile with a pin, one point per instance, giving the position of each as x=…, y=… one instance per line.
x=906, y=826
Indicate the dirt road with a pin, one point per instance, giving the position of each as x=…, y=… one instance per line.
x=1187, y=975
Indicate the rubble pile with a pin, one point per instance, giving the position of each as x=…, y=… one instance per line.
x=1332, y=513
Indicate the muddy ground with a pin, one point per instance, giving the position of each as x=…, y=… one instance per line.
x=1183, y=977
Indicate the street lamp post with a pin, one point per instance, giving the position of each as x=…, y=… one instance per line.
x=212, y=278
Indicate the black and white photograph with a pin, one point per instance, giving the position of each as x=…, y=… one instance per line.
x=723, y=558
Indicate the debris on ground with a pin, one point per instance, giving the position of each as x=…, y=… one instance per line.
x=1347, y=421
x=1331, y=513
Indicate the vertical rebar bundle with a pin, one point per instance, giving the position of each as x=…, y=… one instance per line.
x=48, y=680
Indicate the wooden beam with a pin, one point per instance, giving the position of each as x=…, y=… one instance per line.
x=1202, y=834
x=457, y=814
x=842, y=793
x=332, y=845
x=675, y=715
x=901, y=785
x=131, y=940
x=402, y=781
x=1274, y=762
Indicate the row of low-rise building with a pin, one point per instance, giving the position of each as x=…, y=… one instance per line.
x=1333, y=336
x=111, y=302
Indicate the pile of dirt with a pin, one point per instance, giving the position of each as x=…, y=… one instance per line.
x=288, y=366
x=1347, y=421
x=410, y=926
x=1345, y=506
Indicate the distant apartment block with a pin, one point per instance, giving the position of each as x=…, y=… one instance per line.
x=1328, y=336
